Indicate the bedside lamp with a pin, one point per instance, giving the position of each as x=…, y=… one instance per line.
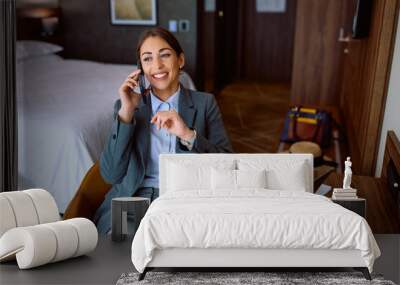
x=49, y=25
x=49, y=18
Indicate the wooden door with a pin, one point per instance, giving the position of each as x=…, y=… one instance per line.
x=317, y=52
x=237, y=42
x=265, y=43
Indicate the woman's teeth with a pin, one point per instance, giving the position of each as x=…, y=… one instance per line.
x=160, y=75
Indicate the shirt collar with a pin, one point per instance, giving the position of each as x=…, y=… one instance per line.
x=172, y=100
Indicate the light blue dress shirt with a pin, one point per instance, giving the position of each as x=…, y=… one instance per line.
x=160, y=140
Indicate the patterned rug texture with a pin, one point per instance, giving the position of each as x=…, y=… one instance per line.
x=243, y=278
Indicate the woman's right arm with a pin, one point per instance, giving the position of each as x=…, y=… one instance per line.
x=115, y=158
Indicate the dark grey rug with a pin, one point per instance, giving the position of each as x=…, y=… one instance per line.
x=230, y=278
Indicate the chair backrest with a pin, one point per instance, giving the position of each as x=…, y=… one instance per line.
x=233, y=160
x=90, y=195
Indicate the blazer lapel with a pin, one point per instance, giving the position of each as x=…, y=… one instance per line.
x=143, y=117
x=186, y=108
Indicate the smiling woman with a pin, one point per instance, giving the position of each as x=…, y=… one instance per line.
x=165, y=118
x=161, y=58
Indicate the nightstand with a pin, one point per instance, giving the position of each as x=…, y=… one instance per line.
x=358, y=205
x=126, y=214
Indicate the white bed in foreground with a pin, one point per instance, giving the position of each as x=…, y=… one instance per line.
x=212, y=225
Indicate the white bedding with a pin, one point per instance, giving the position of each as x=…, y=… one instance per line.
x=252, y=218
x=64, y=116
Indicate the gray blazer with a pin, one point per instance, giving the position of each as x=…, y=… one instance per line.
x=123, y=161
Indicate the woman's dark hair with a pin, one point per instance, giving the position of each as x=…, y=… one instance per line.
x=162, y=33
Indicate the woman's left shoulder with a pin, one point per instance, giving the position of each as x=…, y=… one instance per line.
x=203, y=97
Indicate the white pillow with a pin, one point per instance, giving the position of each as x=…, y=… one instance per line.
x=183, y=177
x=225, y=179
x=193, y=175
x=251, y=178
x=30, y=49
x=284, y=174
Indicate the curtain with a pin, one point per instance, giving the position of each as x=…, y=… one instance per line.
x=8, y=116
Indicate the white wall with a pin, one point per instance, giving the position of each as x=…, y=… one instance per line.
x=391, y=120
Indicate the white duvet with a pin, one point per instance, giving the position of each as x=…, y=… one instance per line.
x=250, y=219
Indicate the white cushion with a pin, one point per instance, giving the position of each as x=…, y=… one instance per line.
x=284, y=174
x=191, y=174
x=87, y=233
x=230, y=180
x=40, y=244
x=26, y=208
x=45, y=205
x=23, y=208
x=251, y=178
x=184, y=177
x=7, y=218
x=223, y=179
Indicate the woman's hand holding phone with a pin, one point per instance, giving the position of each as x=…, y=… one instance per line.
x=129, y=99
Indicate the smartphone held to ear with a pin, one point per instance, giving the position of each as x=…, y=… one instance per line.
x=141, y=80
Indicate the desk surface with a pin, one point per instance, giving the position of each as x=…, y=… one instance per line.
x=102, y=266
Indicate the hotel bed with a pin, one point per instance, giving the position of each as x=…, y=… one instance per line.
x=211, y=215
x=64, y=116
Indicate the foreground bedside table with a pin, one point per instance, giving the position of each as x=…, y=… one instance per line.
x=358, y=205
x=126, y=214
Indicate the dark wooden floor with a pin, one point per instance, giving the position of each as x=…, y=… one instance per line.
x=253, y=115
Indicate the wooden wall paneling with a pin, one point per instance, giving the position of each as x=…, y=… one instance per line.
x=364, y=86
x=317, y=52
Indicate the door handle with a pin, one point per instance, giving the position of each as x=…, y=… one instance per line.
x=342, y=38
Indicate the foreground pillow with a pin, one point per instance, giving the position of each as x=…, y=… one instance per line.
x=251, y=178
x=229, y=180
x=193, y=175
x=284, y=174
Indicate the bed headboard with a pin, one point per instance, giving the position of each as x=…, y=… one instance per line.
x=209, y=158
x=391, y=165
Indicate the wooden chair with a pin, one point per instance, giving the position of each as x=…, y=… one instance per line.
x=89, y=196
